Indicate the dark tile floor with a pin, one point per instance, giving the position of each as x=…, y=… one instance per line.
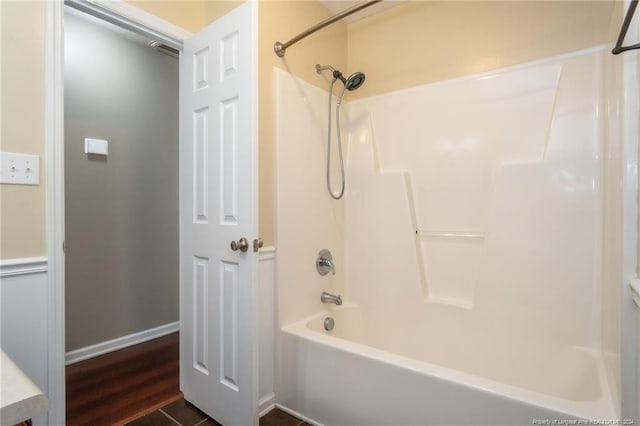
x=277, y=417
x=182, y=413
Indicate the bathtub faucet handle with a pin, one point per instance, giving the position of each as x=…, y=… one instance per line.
x=324, y=263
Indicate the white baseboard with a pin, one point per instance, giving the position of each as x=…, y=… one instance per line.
x=120, y=343
x=298, y=415
x=266, y=404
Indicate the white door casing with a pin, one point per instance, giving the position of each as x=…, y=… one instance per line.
x=218, y=204
x=242, y=407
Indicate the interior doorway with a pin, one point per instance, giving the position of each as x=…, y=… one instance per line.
x=217, y=205
x=121, y=218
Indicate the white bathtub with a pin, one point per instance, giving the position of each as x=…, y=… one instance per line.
x=348, y=376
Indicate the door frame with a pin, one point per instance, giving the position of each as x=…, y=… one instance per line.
x=130, y=17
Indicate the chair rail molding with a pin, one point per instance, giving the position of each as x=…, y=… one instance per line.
x=23, y=266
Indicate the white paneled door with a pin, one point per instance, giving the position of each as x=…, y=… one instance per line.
x=218, y=218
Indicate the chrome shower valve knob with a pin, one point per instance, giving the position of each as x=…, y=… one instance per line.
x=324, y=263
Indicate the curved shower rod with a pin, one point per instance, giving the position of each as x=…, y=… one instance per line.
x=619, y=48
x=280, y=48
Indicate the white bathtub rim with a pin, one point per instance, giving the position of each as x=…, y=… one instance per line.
x=600, y=409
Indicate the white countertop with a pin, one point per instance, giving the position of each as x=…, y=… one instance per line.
x=20, y=398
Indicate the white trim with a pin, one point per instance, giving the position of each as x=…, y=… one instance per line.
x=266, y=329
x=23, y=266
x=54, y=188
x=266, y=253
x=130, y=17
x=120, y=343
x=266, y=404
x=635, y=290
x=298, y=415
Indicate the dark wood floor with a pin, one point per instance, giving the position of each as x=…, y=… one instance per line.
x=139, y=386
x=123, y=385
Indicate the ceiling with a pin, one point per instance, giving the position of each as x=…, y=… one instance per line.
x=337, y=6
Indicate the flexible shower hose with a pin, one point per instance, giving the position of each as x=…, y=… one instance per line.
x=334, y=196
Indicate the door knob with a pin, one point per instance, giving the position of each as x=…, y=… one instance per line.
x=242, y=244
x=257, y=244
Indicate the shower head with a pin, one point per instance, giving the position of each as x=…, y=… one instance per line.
x=354, y=81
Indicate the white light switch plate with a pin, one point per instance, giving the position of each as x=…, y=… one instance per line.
x=96, y=146
x=19, y=169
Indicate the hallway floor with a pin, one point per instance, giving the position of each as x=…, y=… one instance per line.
x=139, y=386
x=123, y=385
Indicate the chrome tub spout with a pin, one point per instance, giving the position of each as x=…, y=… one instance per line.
x=330, y=298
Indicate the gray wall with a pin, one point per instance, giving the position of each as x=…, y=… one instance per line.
x=121, y=211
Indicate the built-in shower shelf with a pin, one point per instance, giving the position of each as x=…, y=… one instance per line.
x=450, y=263
x=450, y=301
x=449, y=234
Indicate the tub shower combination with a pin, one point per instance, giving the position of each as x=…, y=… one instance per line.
x=465, y=251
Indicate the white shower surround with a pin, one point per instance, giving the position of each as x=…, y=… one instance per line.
x=469, y=245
